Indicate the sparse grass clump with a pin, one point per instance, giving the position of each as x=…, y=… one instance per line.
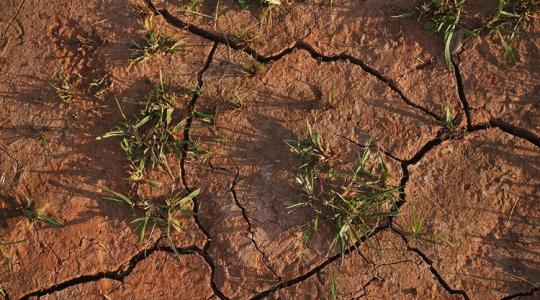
x=165, y=214
x=152, y=134
x=154, y=43
x=3, y=246
x=418, y=231
x=62, y=87
x=355, y=200
x=509, y=17
x=252, y=68
x=442, y=17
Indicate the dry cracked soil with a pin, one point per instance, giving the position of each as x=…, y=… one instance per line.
x=350, y=69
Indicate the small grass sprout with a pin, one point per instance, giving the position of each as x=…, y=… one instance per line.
x=147, y=138
x=244, y=3
x=197, y=152
x=238, y=100
x=313, y=156
x=193, y=6
x=38, y=214
x=448, y=119
x=355, y=200
x=329, y=101
x=333, y=285
x=154, y=43
x=62, y=87
x=207, y=119
x=418, y=231
x=417, y=225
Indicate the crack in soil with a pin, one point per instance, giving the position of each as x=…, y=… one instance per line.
x=433, y=270
x=365, y=286
x=405, y=169
x=190, y=109
x=233, y=43
x=318, y=268
x=507, y=128
x=119, y=274
x=510, y=129
x=251, y=233
x=462, y=96
x=125, y=270
x=196, y=205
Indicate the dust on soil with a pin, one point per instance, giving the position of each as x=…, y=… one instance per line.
x=350, y=69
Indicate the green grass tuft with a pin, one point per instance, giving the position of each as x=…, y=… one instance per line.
x=154, y=43
x=509, y=17
x=355, y=201
x=165, y=214
x=148, y=137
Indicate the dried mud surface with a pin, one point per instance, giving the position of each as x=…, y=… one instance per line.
x=352, y=70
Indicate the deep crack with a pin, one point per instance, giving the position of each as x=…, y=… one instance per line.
x=318, y=268
x=251, y=233
x=512, y=130
x=196, y=205
x=432, y=269
x=119, y=274
x=462, y=96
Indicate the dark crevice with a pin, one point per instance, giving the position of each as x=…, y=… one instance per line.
x=522, y=294
x=190, y=109
x=515, y=131
x=424, y=150
x=196, y=205
x=405, y=170
x=233, y=43
x=185, y=147
x=210, y=262
x=318, y=268
x=462, y=95
x=186, y=139
x=432, y=269
x=118, y=275
x=125, y=270
x=509, y=129
x=251, y=233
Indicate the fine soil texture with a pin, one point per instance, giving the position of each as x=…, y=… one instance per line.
x=443, y=154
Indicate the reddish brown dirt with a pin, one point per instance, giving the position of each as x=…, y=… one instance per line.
x=352, y=70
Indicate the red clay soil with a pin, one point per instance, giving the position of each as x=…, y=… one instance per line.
x=350, y=69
